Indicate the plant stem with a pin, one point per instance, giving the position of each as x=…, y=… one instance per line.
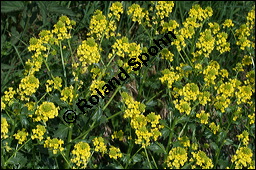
x=148, y=158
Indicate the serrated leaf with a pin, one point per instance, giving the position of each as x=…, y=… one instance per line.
x=62, y=132
x=11, y=6
x=165, y=132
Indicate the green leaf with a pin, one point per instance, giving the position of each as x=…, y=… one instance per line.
x=55, y=8
x=155, y=148
x=19, y=159
x=11, y=6
x=137, y=158
x=214, y=145
x=186, y=68
x=62, y=132
x=228, y=142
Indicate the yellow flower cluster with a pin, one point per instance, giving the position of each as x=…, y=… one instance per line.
x=54, y=144
x=47, y=110
x=243, y=158
x=166, y=54
x=28, y=86
x=4, y=128
x=115, y=9
x=164, y=8
x=169, y=26
x=201, y=160
x=215, y=128
x=68, y=92
x=184, y=141
x=177, y=158
x=244, y=136
x=88, y=52
x=21, y=135
x=47, y=38
x=137, y=13
x=211, y=72
x=203, y=117
x=183, y=106
x=56, y=82
x=228, y=23
x=244, y=94
x=190, y=92
x=221, y=43
x=81, y=154
x=196, y=14
x=114, y=152
x=118, y=135
x=205, y=44
x=99, y=144
x=38, y=132
x=170, y=76
x=139, y=122
x=98, y=84
x=8, y=97
x=61, y=29
x=98, y=24
x=244, y=32
x=215, y=27
x=204, y=97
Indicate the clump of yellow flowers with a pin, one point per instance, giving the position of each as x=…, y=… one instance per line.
x=243, y=158
x=177, y=158
x=21, y=135
x=81, y=153
x=4, y=128
x=139, y=122
x=47, y=110
x=99, y=144
x=202, y=160
x=38, y=132
x=114, y=152
x=54, y=144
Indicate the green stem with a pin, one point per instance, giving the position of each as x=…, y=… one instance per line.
x=118, y=88
x=148, y=158
x=62, y=60
x=65, y=159
x=17, y=150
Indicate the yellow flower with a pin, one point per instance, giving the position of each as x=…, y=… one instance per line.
x=21, y=135
x=88, y=52
x=114, y=152
x=68, y=92
x=4, y=128
x=244, y=137
x=47, y=110
x=177, y=158
x=8, y=97
x=202, y=160
x=242, y=158
x=203, y=117
x=118, y=135
x=99, y=144
x=54, y=144
x=38, y=132
x=137, y=13
x=28, y=86
x=214, y=127
x=228, y=23
x=184, y=141
x=116, y=8
x=182, y=106
x=164, y=8
x=81, y=154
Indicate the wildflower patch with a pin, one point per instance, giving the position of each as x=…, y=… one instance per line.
x=123, y=75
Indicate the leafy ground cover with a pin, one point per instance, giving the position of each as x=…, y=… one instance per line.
x=191, y=106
